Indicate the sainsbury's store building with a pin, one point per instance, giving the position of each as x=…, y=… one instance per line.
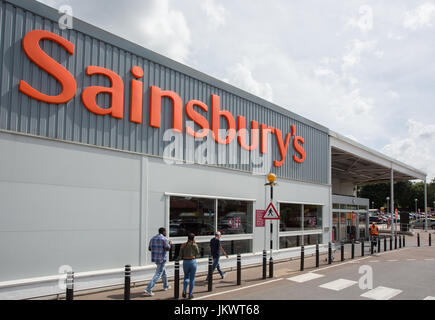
x=102, y=142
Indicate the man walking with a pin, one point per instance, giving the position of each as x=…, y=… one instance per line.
x=216, y=249
x=159, y=245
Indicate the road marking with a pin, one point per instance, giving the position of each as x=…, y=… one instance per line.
x=238, y=289
x=305, y=277
x=411, y=259
x=429, y=259
x=429, y=298
x=338, y=285
x=381, y=293
x=374, y=261
x=392, y=260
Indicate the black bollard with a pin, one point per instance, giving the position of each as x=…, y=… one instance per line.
x=353, y=249
x=371, y=247
x=317, y=255
x=210, y=274
x=385, y=243
x=302, y=258
x=418, y=239
x=70, y=285
x=329, y=253
x=342, y=251
x=430, y=240
x=395, y=242
x=264, y=264
x=177, y=279
x=271, y=267
x=239, y=269
x=362, y=248
x=379, y=244
x=127, y=281
x=404, y=237
x=400, y=242
x=391, y=243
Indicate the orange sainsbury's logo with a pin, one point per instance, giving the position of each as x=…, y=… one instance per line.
x=259, y=133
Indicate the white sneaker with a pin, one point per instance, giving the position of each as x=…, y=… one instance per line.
x=149, y=294
x=166, y=289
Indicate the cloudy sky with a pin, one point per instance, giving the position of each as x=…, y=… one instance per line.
x=365, y=69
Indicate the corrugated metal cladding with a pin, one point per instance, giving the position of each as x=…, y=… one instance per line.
x=73, y=122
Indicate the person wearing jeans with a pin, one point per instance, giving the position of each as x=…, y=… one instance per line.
x=159, y=245
x=188, y=252
x=216, y=249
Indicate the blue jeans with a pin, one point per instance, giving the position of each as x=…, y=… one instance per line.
x=189, y=268
x=216, y=265
x=160, y=272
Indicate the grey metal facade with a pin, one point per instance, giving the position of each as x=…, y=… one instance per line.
x=74, y=123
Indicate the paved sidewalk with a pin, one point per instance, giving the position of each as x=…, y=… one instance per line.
x=250, y=275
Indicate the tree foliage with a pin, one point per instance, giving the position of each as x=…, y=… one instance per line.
x=404, y=195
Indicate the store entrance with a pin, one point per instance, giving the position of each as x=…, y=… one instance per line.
x=344, y=226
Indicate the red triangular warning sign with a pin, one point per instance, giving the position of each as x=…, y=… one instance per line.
x=271, y=213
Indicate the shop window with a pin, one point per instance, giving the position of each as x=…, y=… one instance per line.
x=237, y=246
x=191, y=215
x=290, y=217
x=234, y=217
x=312, y=239
x=363, y=208
x=335, y=206
x=312, y=217
x=290, y=242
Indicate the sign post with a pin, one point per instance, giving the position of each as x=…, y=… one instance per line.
x=271, y=214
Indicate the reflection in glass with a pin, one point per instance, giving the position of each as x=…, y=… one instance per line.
x=312, y=217
x=290, y=242
x=234, y=217
x=191, y=215
x=290, y=217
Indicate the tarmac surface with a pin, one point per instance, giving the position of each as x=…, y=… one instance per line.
x=405, y=273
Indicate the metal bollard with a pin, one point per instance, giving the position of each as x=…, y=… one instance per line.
x=210, y=273
x=177, y=279
x=264, y=263
x=362, y=248
x=317, y=255
x=395, y=242
x=70, y=285
x=418, y=239
x=400, y=242
x=127, y=281
x=342, y=251
x=271, y=267
x=404, y=237
x=385, y=243
x=302, y=258
x=379, y=244
x=329, y=253
x=391, y=243
x=239, y=269
x=371, y=246
x=430, y=240
x=353, y=249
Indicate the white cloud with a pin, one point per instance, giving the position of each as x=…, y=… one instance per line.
x=355, y=51
x=420, y=17
x=240, y=75
x=417, y=148
x=165, y=30
x=215, y=13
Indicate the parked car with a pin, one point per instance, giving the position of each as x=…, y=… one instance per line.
x=420, y=223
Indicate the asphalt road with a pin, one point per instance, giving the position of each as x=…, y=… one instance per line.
x=397, y=275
